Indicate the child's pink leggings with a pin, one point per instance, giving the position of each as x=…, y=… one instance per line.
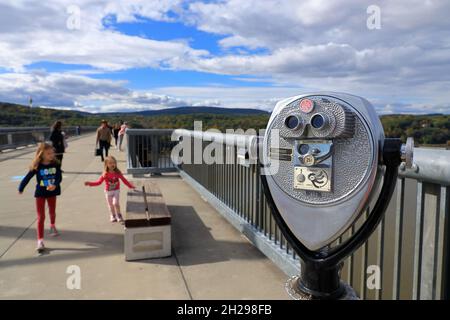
x=113, y=199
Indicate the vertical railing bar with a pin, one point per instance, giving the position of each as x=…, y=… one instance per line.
x=243, y=187
x=281, y=240
x=418, y=242
x=225, y=176
x=364, y=252
x=380, y=256
x=238, y=185
x=231, y=185
x=230, y=179
x=139, y=149
x=244, y=193
x=398, y=238
x=266, y=216
x=247, y=194
x=128, y=151
x=262, y=206
x=441, y=243
x=254, y=196
x=244, y=184
x=351, y=261
x=241, y=192
x=136, y=143
x=216, y=175
x=270, y=226
x=236, y=179
x=249, y=197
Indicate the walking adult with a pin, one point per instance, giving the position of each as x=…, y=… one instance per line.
x=104, y=138
x=116, y=133
x=123, y=128
x=57, y=139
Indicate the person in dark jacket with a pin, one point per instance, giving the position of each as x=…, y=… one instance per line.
x=57, y=139
x=116, y=133
x=104, y=137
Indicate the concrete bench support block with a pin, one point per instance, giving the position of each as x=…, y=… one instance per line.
x=147, y=242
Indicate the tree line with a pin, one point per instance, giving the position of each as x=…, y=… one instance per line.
x=426, y=129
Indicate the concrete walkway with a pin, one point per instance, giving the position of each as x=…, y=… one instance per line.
x=211, y=260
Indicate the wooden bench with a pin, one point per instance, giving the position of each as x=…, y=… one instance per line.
x=147, y=223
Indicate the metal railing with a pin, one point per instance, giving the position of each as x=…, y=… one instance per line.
x=410, y=248
x=149, y=151
x=14, y=137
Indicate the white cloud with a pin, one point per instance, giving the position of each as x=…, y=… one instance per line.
x=68, y=91
x=311, y=44
x=43, y=35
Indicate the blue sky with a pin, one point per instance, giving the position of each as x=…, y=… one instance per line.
x=101, y=56
x=148, y=78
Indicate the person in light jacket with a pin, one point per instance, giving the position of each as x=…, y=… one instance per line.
x=123, y=128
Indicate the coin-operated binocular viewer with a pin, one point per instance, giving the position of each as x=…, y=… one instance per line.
x=325, y=159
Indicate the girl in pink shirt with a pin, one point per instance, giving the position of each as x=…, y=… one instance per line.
x=111, y=177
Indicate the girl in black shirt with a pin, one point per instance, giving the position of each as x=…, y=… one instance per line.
x=48, y=177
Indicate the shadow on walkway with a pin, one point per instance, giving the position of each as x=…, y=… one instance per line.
x=192, y=243
x=90, y=244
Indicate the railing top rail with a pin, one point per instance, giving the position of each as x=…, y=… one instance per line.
x=23, y=129
x=432, y=165
x=239, y=140
x=37, y=129
x=132, y=132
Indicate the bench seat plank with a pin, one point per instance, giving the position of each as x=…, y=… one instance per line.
x=158, y=213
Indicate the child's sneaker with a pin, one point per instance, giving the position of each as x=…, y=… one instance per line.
x=40, y=246
x=53, y=231
x=112, y=218
x=119, y=217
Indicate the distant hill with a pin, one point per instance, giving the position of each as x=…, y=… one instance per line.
x=180, y=117
x=13, y=108
x=426, y=129
x=193, y=110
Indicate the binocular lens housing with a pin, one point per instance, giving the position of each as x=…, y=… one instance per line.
x=317, y=121
x=292, y=122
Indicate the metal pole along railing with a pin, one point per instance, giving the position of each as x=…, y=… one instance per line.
x=14, y=137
